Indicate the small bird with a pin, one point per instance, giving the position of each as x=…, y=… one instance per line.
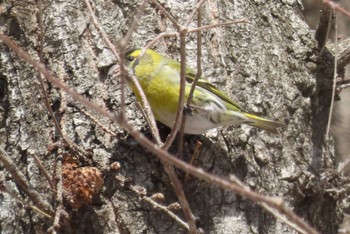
x=159, y=78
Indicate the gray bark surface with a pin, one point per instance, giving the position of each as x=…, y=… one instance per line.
x=269, y=65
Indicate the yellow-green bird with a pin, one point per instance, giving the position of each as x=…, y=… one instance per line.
x=159, y=78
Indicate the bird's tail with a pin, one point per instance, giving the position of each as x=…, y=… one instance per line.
x=262, y=123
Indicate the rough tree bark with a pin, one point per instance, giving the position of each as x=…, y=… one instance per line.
x=270, y=65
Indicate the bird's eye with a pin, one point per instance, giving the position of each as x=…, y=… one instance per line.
x=130, y=58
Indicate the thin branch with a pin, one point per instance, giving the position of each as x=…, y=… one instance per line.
x=166, y=14
x=147, y=109
x=199, y=57
x=181, y=196
x=334, y=78
x=337, y=7
x=123, y=43
x=169, y=168
x=193, y=157
x=95, y=120
x=196, y=8
x=41, y=168
x=101, y=31
x=154, y=128
x=20, y=179
x=193, y=30
x=198, y=75
x=178, y=118
x=59, y=199
x=157, y=38
x=122, y=49
x=157, y=206
x=4, y=188
x=122, y=181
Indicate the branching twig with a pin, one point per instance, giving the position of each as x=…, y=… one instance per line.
x=167, y=211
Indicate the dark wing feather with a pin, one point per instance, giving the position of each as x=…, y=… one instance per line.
x=190, y=76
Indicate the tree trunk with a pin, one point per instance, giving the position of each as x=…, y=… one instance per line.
x=269, y=65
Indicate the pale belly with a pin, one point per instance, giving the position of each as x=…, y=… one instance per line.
x=195, y=124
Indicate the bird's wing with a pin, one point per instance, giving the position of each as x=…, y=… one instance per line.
x=190, y=76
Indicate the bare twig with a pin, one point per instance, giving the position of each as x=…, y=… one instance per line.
x=121, y=180
x=178, y=118
x=168, y=167
x=334, y=79
x=167, y=211
x=170, y=170
x=199, y=57
x=147, y=109
x=196, y=9
x=198, y=75
x=23, y=183
x=156, y=39
x=122, y=49
x=181, y=196
x=59, y=199
x=161, y=207
x=101, y=31
x=41, y=168
x=62, y=125
x=167, y=14
x=193, y=157
x=193, y=30
x=13, y=194
x=337, y=7
x=95, y=120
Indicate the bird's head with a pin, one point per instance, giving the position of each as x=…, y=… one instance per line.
x=136, y=57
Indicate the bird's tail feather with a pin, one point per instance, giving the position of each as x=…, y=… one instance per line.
x=268, y=125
